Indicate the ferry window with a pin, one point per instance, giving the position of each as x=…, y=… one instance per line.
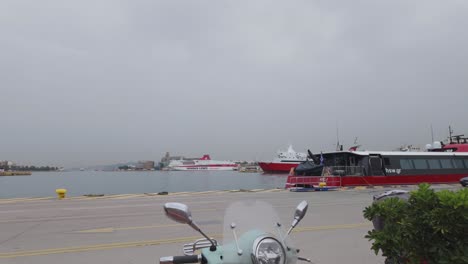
x=434, y=164
x=459, y=164
x=387, y=161
x=420, y=164
x=340, y=161
x=446, y=164
x=406, y=164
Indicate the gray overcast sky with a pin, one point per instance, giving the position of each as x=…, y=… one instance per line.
x=96, y=82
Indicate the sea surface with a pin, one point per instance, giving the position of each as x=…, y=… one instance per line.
x=77, y=183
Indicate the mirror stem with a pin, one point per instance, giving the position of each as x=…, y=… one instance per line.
x=194, y=226
x=293, y=225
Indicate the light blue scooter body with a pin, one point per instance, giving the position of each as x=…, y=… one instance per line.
x=228, y=253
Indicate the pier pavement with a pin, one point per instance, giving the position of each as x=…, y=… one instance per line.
x=133, y=228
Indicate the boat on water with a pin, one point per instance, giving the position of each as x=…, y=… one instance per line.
x=284, y=161
x=204, y=163
x=440, y=164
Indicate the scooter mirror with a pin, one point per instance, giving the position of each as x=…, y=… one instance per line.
x=178, y=212
x=301, y=211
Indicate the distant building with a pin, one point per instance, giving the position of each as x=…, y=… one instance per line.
x=145, y=165
x=5, y=164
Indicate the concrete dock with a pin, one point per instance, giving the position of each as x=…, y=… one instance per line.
x=15, y=173
x=133, y=228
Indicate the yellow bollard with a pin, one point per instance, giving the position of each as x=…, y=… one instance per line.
x=61, y=193
x=322, y=184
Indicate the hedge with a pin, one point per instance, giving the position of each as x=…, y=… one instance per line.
x=431, y=227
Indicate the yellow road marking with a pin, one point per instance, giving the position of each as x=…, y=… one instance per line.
x=59, y=218
x=15, y=200
x=330, y=227
x=112, y=229
x=179, y=193
x=207, y=192
x=94, y=247
x=128, y=196
x=113, y=196
x=83, y=197
x=16, y=254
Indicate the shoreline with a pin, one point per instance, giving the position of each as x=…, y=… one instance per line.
x=15, y=173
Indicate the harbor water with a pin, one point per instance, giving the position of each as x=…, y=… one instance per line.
x=77, y=183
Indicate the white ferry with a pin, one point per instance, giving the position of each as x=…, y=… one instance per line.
x=202, y=164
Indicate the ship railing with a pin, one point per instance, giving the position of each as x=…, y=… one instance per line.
x=304, y=181
x=312, y=181
x=331, y=176
x=343, y=171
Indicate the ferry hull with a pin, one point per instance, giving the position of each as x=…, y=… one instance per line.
x=306, y=181
x=274, y=167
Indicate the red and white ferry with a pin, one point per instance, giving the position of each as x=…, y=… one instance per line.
x=284, y=161
x=444, y=164
x=204, y=163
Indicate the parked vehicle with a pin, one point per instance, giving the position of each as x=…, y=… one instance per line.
x=464, y=181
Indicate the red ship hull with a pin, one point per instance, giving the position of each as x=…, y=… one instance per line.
x=276, y=167
x=309, y=181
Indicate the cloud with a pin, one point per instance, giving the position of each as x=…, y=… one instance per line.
x=89, y=83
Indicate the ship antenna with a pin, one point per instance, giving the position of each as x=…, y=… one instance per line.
x=432, y=133
x=450, y=134
x=337, y=137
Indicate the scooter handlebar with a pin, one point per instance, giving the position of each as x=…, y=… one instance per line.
x=180, y=259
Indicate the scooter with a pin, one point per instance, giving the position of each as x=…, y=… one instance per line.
x=252, y=234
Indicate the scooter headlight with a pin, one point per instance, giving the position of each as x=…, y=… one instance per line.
x=269, y=251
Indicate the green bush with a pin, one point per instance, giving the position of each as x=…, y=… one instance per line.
x=432, y=227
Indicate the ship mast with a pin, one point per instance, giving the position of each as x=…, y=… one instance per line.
x=432, y=134
x=337, y=138
x=450, y=134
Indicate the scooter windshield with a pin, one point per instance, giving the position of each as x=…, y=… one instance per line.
x=253, y=215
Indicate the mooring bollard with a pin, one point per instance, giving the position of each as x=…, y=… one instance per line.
x=61, y=193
